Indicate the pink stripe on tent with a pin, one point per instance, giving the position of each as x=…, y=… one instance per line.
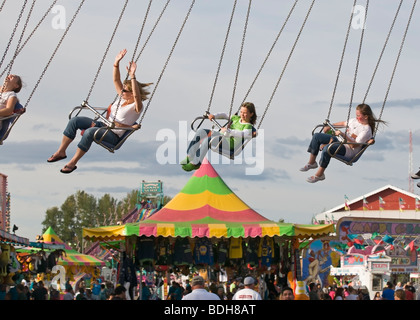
x=171, y=215
x=200, y=230
x=252, y=230
x=148, y=230
x=206, y=170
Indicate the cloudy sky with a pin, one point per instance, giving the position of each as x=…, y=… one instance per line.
x=267, y=178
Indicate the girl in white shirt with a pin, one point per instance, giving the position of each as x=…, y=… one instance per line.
x=359, y=130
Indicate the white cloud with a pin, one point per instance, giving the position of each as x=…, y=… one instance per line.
x=301, y=101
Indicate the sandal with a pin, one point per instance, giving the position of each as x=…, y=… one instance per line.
x=314, y=179
x=55, y=159
x=70, y=170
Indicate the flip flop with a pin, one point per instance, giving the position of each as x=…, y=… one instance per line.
x=52, y=159
x=68, y=171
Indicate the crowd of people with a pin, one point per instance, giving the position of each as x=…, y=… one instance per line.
x=352, y=292
x=248, y=288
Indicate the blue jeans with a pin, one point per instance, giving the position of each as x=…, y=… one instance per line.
x=199, y=145
x=323, y=138
x=85, y=123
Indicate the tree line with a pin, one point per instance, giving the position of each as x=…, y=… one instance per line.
x=83, y=210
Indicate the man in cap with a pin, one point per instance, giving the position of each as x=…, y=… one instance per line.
x=198, y=291
x=248, y=293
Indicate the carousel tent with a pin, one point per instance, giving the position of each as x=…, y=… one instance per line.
x=206, y=207
x=71, y=257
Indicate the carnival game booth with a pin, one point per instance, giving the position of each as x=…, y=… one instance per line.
x=372, y=271
x=51, y=259
x=10, y=267
x=207, y=229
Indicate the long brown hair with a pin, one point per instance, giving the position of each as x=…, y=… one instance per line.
x=251, y=108
x=367, y=111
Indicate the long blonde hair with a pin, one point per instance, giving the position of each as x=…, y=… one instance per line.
x=144, y=93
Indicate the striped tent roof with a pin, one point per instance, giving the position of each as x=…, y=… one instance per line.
x=205, y=207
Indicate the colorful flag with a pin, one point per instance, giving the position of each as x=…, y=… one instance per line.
x=410, y=246
x=365, y=203
x=346, y=204
x=381, y=204
x=388, y=239
x=417, y=204
x=402, y=204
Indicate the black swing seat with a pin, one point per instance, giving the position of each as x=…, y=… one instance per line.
x=9, y=121
x=109, y=146
x=101, y=113
x=232, y=153
x=347, y=160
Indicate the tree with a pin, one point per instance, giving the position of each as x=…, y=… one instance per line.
x=82, y=210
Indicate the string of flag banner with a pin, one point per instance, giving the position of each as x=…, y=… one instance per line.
x=376, y=243
x=401, y=203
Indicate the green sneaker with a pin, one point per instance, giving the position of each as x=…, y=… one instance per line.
x=185, y=161
x=190, y=166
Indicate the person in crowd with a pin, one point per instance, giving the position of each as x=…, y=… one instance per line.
x=339, y=294
x=248, y=293
x=313, y=293
x=287, y=294
x=221, y=292
x=352, y=294
x=80, y=295
x=399, y=294
x=119, y=293
x=145, y=291
x=199, y=292
x=388, y=292
x=409, y=295
x=240, y=129
x=377, y=296
x=40, y=292
x=359, y=130
x=69, y=293
x=124, y=112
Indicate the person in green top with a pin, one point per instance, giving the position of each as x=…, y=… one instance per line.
x=240, y=129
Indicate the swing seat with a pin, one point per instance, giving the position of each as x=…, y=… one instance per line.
x=349, y=160
x=103, y=114
x=232, y=152
x=9, y=121
x=109, y=146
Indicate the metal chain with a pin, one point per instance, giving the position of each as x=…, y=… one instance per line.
x=270, y=51
x=153, y=29
x=10, y=65
x=55, y=51
x=287, y=62
x=135, y=50
x=341, y=62
x=167, y=61
x=240, y=58
x=30, y=35
x=106, y=50
x=356, y=69
x=396, y=62
x=383, y=50
x=2, y=5
x=222, y=55
x=13, y=32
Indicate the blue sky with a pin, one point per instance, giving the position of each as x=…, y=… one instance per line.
x=301, y=100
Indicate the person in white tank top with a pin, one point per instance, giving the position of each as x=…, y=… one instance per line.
x=123, y=112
